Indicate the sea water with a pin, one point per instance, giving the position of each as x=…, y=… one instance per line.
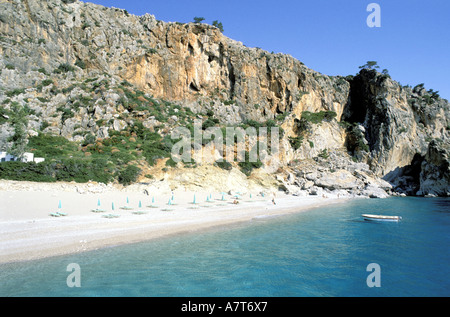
x=321, y=252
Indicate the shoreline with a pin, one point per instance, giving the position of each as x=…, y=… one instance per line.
x=28, y=232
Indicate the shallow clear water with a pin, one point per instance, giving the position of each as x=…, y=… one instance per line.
x=322, y=252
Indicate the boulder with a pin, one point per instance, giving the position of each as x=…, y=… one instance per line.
x=340, y=179
x=372, y=191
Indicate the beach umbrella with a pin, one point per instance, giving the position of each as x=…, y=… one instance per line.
x=250, y=195
x=140, y=204
x=112, y=206
x=127, y=200
x=98, y=202
x=194, y=199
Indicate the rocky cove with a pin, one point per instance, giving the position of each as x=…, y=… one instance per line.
x=88, y=73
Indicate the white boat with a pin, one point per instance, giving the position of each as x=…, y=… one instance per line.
x=381, y=218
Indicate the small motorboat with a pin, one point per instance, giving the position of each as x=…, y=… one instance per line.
x=381, y=218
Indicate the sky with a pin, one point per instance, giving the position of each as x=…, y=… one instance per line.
x=329, y=36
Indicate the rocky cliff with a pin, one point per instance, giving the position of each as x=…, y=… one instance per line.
x=81, y=69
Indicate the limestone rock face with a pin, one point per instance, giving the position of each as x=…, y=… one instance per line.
x=435, y=173
x=390, y=128
x=399, y=123
x=174, y=61
x=74, y=65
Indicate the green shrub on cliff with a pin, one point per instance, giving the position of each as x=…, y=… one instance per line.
x=310, y=118
x=128, y=175
x=247, y=166
x=296, y=142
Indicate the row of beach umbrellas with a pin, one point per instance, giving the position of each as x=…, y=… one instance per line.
x=127, y=207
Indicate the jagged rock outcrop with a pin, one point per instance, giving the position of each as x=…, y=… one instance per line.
x=398, y=124
x=84, y=70
x=435, y=171
x=380, y=105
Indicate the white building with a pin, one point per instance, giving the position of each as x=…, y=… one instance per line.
x=27, y=157
x=5, y=157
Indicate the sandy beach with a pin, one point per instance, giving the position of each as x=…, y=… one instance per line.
x=28, y=231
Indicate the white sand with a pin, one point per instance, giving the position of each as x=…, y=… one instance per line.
x=28, y=232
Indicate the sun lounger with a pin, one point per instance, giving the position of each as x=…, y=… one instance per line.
x=58, y=214
x=139, y=212
x=98, y=210
x=111, y=216
x=126, y=208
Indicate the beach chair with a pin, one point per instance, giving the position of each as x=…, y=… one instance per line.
x=58, y=214
x=98, y=208
x=153, y=205
x=127, y=207
x=139, y=212
x=110, y=216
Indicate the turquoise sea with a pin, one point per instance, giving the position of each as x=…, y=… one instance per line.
x=319, y=253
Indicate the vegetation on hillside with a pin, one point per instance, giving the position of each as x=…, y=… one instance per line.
x=117, y=157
